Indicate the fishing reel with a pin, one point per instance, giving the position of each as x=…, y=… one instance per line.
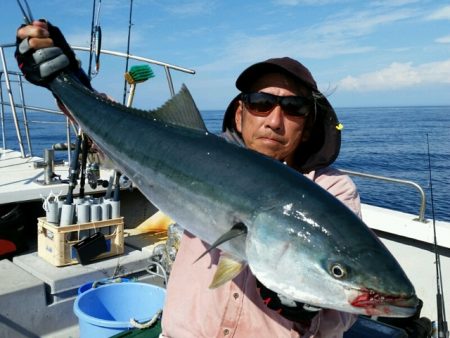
x=125, y=182
x=93, y=176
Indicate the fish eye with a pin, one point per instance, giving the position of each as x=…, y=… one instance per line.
x=338, y=271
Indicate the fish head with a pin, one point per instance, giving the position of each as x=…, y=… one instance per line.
x=330, y=262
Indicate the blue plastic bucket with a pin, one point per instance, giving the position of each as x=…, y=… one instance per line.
x=106, y=311
x=101, y=282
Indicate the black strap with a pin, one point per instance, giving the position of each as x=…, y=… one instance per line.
x=295, y=313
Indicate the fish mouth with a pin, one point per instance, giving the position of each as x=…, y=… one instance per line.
x=377, y=304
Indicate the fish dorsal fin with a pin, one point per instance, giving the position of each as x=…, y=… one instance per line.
x=238, y=229
x=181, y=111
x=227, y=269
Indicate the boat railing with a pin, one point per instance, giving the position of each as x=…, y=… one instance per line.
x=6, y=77
x=25, y=108
x=8, y=82
x=421, y=216
x=167, y=67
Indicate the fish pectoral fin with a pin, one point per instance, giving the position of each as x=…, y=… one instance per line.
x=227, y=269
x=237, y=230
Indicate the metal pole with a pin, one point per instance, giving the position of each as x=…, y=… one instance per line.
x=24, y=114
x=11, y=100
x=2, y=114
x=69, y=144
x=138, y=58
x=169, y=81
x=128, y=52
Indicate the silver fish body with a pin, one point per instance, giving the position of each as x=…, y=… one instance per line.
x=301, y=241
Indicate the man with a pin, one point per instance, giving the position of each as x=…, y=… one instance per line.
x=279, y=113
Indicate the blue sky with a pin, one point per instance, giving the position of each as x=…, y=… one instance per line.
x=361, y=53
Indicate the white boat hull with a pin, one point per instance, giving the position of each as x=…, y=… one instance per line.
x=412, y=243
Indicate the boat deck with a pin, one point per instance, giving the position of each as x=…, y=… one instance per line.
x=48, y=290
x=21, y=181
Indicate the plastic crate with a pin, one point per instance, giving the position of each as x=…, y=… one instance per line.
x=55, y=243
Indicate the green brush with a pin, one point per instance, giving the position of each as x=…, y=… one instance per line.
x=137, y=74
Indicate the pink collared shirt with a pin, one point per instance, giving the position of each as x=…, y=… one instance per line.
x=236, y=309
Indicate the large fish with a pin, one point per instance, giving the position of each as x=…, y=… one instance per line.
x=298, y=239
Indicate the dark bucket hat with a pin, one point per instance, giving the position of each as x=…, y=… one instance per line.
x=284, y=65
x=323, y=145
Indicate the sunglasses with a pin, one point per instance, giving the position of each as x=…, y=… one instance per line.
x=263, y=103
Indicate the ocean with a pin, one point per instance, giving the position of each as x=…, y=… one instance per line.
x=392, y=142
x=385, y=141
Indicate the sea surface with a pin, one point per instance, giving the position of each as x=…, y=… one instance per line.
x=392, y=142
x=386, y=141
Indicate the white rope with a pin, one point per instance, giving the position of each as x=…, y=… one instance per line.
x=148, y=324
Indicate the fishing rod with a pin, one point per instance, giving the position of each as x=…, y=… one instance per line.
x=96, y=39
x=442, y=321
x=128, y=52
x=94, y=49
x=74, y=167
x=91, y=46
x=84, y=153
x=26, y=11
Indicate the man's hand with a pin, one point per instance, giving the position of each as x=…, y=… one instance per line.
x=38, y=57
x=37, y=35
x=42, y=52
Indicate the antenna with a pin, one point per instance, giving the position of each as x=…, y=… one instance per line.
x=130, y=23
x=442, y=322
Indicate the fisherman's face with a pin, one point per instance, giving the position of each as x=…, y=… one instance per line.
x=276, y=134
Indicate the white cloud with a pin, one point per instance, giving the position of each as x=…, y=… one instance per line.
x=190, y=8
x=305, y=2
x=393, y=3
x=397, y=76
x=373, y=4
x=353, y=24
x=440, y=14
x=443, y=39
x=334, y=36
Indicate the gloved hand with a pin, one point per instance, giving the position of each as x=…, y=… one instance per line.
x=41, y=65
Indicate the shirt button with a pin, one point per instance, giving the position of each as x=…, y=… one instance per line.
x=226, y=332
x=236, y=295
